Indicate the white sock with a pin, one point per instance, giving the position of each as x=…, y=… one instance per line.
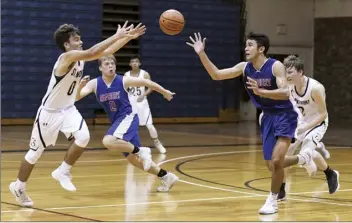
x=20, y=184
x=65, y=167
x=274, y=196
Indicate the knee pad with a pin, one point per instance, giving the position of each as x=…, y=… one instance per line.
x=82, y=137
x=32, y=156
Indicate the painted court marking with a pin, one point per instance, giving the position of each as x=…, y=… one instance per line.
x=246, y=194
x=79, y=161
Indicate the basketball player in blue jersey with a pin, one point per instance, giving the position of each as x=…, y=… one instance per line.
x=111, y=92
x=57, y=112
x=266, y=84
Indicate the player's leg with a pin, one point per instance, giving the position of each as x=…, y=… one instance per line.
x=268, y=140
x=290, y=152
x=279, y=160
x=154, y=135
x=167, y=178
x=120, y=133
x=312, y=138
x=76, y=129
x=322, y=149
x=146, y=119
x=277, y=133
x=44, y=133
x=320, y=145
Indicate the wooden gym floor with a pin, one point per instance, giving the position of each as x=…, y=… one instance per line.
x=222, y=178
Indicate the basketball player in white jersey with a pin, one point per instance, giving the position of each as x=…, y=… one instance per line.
x=139, y=101
x=57, y=111
x=308, y=96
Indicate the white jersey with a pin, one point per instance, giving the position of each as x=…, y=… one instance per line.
x=306, y=105
x=135, y=92
x=61, y=92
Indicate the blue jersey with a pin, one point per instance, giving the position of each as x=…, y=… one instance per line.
x=265, y=79
x=114, y=99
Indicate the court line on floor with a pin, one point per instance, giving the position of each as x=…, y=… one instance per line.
x=213, y=135
x=241, y=192
x=248, y=187
x=209, y=154
x=79, y=161
x=139, y=203
x=247, y=194
x=48, y=211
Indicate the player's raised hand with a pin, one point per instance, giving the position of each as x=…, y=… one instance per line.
x=168, y=95
x=124, y=31
x=136, y=32
x=197, y=43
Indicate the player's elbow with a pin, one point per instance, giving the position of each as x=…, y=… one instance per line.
x=215, y=76
x=149, y=84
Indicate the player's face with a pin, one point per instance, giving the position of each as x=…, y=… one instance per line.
x=293, y=76
x=74, y=43
x=252, y=51
x=108, y=67
x=135, y=64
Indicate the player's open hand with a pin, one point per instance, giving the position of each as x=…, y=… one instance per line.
x=84, y=81
x=139, y=30
x=124, y=31
x=168, y=95
x=198, y=44
x=253, y=85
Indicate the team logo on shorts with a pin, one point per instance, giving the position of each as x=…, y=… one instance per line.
x=317, y=137
x=33, y=143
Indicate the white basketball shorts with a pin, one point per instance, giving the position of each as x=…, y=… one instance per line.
x=50, y=122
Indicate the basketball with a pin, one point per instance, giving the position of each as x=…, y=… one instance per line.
x=171, y=22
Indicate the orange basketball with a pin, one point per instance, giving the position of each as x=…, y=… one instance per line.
x=171, y=22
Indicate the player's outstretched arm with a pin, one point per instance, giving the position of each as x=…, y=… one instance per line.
x=318, y=95
x=137, y=82
x=149, y=91
x=282, y=93
x=216, y=74
x=94, y=52
x=86, y=89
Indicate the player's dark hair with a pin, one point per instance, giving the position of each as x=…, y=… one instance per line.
x=63, y=34
x=261, y=39
x=135, y=57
